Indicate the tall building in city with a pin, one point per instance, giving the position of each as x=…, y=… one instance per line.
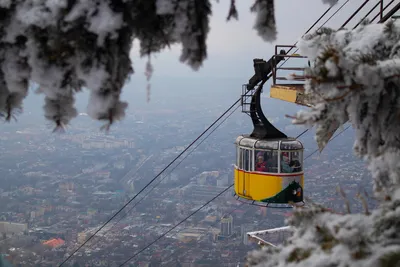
x=226, y=226
x=244, y=228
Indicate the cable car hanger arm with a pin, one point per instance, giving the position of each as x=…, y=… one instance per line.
x=263, y=129
x=263, y=69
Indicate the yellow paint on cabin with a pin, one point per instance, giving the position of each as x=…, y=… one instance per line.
x=256, y=186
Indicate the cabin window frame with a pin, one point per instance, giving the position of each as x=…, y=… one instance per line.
x=257, y=150
x=246, y=159
x=243, y=151
x=300, y=159
x=241, y=163
x=238, y=157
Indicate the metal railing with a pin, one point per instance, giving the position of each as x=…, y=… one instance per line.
x=382, y=18
x=276, y=68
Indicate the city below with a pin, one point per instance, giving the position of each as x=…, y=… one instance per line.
x=58, y=189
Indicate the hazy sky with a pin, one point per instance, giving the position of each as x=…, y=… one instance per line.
x=231, y=49
x=232, y=45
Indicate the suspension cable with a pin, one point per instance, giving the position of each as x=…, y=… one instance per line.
x=176, y=225
x=212, y=225
x=355, y=13
x=183, y=159
x=162, y=171
x=323, y=24
x=208, y=202
x=377, y=15
x=311, y=27
x=315, y=151
x=151, y=181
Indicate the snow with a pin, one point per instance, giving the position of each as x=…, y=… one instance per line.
x=40, y=13
x=265, y=24
x=355, y=76
x=165, y=7
x=330, y=2
x=265, y=19
x=105, y=22
x=65, y=46
x=80, y=8
x=5, y=3
x=48, y=43
x=334, y=240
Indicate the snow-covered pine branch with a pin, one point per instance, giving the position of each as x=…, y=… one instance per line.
x=65, y=45
x=355, y=76
x=322, y=238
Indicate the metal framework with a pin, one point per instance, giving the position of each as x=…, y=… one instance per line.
x=292, y=89
x=262, y=236
x=285, y=88
x=251, y=99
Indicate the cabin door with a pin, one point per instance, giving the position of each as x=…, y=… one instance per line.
x=247, y=169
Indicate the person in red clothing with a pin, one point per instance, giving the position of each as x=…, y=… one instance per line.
x=261, y=165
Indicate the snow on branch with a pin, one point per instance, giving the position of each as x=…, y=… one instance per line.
x=64, y=46
x=330, y=2
x=355, y=76
x=265, y=19
x=322, y=238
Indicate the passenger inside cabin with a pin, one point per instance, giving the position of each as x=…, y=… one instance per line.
x=295, y=164
x=261, y=165
x=285, y=167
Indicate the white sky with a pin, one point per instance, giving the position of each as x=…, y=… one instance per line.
x=231, y=49
x=233, y=45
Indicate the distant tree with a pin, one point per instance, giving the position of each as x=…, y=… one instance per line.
x=355, y=77
x=64, y=46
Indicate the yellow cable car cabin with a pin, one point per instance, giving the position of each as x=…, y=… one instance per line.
x=270, y=170
x=269, y=165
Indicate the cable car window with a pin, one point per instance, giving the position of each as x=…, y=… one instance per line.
x=296, y=160
x=266, y=144
x=291, y=161
x=266, y=161
x=246, y=159
x=251, y=161
x=239, y=157
x=291, y=145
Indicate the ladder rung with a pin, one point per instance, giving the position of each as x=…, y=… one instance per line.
x=290, y=56
x=286, y=79
x=288, y=68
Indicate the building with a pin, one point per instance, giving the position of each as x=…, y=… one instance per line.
x=82, y=237
x=54, y=243
x=201, y=192
x=192, y=233
x=244, y=228
x=9, y=228
x=226, y=226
